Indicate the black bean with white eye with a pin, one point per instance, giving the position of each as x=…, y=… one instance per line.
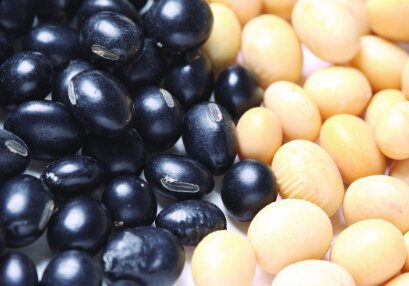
x=100, y=102
x=209, y=136
x=59, y=42
x=16, y=16
x=6, y=47
x=25, y=76
x=14, y=155
x=60, y=11
x=73, y=176
x=146, y=255
x=121, y=155
x=60, y=90
x=190, y=79
x=48, y=128
x=158, y=117
x=17, y=269
x=130, y=202
x=190, y=221
x=111, y=39
x=25, y=209
x=178, y=178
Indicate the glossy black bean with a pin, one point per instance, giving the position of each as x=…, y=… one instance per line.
x=82, y=223
x=121, y=155
x=178, y=178
x=72, y=268
x=25, y=76
x=158, y=117
x=100, y=102
x=247, y=187
x=148, y=255
x=147, y=69
x=16, y=269
x=92, y=7
x=111, y=39
x=210, y=137
x=130, y=202
x=60, y=91
x=25, y=209
x=48, y=128
x=236, y=90
x=16, y=16
x=190, y=221
x=56, y=10
x=126, y=283
x=190, y=79
x=59, y=42
x=14, y=155
x=73, y=176
x=6, y=47
x=179, y=25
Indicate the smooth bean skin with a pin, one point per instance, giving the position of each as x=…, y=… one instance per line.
x=226, y=24
x=192, y=220
x=108, y=114
x=359, y=11
x=245, y=10
x=25, y=76
x=190, y=79
x=339, y=90
x=125, y=283
x=236, y=89
x=211, y=121
x=380, y=197
x=72, y=176
x=236, y=263
x=178, y=178
x=376, y=52
x=52, y=133
x=82, y=223
x=265, y=56
x=259, y=134
x=147, y=255
x=72, y=267
x=372, y=251
x=300, y=231
x=60, y=90
x=406, y=265
x=298, y=114
x=6, y=47
x=60, y=11
x=405, y=79
x=59, y=42
x=380, y=103
x=23, y=223
x=183, y=29
x=400, y=280
x=280, y=8
x=313, y=273
x=121, y=155
x=306, y=171
x=130, y=201
x=248, y=186
x=351, y=143
x=400, y=170
x=158, y=117
x=14, y=155
x=16, y=16
x=110, y=38
x=16, y=269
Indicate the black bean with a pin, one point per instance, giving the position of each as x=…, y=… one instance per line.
x=25, y=209
x=190, y=221
x=6, y=47
x=48, y=128
x=148, y=255
x=16, y=269
x=178, y=178
x=16, y=16
x=210, y=136
x=56, y=10
x=126, y=283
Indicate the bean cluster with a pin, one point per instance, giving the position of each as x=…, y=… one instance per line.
x=135, y=111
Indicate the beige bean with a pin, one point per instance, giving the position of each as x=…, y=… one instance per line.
x=289, y=231
x=400, y=170
x=381, y=62
x=271, y=49
x=306, y=171
x=351, y=143
x=400, y=280
x=372, y=251
x=405, y=79
x=338, y=90
x=244, y=9
x=327, y=28
x=226, y=25
x=406, y=239
x=282, y=8
x=358, y=9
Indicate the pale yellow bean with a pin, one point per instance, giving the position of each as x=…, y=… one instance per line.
x=282, y=8
x=405, y=79
x=400, y=170
x=406, y=239
x=400, y=280
x=372, y=251
x=358, y=10
x=244, y=9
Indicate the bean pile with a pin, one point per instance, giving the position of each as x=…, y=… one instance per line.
x=98, y=96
